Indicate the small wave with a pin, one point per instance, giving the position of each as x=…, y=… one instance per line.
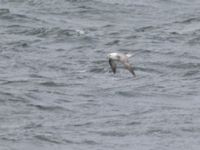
x=36, y=31
x=55, y=140
x=82, y=124
x=130, y=37
x=15, y=82
x=54, y=32
x=89, y=142
x=143, y=51
x=149, y=70
x=113, y=42
x=98, y=70
x=157, y=131
x=112, y=133
x=4, y=11
x=37, y=76
x=126, y=93
x=22, y=44
x=15, y=17
x=52, y=84
x=77, y=1
x=133, y=123
x=50, y=139
x=182, y=65
x=11, y=97
x=6, y=93
x=43, y=32
x=47, y=108
x=145, y=29
x=188, y=21
x=194, y=41
x=86, y=95
x=108, y=26
x=32, y=125
x=192, y=73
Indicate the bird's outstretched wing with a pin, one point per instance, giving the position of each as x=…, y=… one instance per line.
x=112, y=65
x=130, y=68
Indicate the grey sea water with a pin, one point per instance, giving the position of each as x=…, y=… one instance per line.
x=57, y=90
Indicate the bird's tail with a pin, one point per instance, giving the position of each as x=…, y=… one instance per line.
x=129, y=55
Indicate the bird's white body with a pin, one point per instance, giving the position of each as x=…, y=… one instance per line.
x=119, y=56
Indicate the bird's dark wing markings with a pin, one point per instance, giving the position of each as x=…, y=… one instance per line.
x=112, y=65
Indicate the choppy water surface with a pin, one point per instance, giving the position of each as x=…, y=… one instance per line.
x=57, y=90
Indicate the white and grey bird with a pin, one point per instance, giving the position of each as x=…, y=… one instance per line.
x=123, y=58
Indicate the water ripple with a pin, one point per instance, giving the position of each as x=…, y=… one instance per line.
x=57, y=90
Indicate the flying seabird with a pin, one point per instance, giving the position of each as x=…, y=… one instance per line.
x=119, y=57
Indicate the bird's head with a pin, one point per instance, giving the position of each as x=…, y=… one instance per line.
x=112, y=55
